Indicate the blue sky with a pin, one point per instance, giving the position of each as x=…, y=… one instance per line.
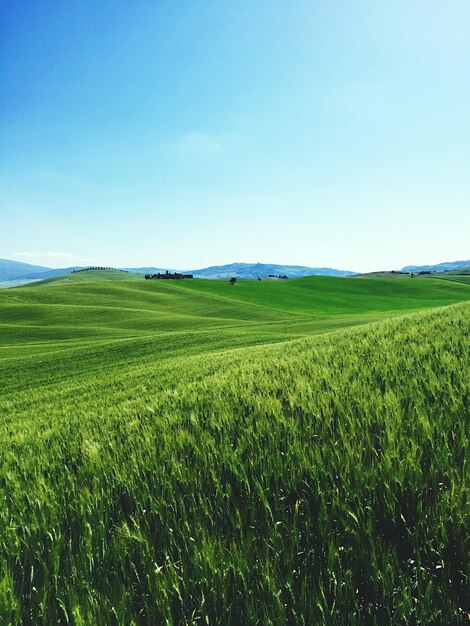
x=184, y=134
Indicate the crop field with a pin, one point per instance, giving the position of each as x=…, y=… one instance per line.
x=459, y=278
x=285, y=452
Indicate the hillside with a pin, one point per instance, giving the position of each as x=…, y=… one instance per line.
x=89, y=276
x=11, y=270
x=383, y=274
x=261, y=270
x=96, y=305
x=196, y=452
x=325, y=296
x=460, y=275
x=439, y=267
x=48, y=272
x=464, y=271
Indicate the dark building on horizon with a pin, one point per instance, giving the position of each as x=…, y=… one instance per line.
x=168, y=276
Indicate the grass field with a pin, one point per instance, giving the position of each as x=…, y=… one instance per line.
x=266, y=453
x=461, y=276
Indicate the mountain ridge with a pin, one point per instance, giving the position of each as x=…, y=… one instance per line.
x=437, y=267
x=262, y=270
x=18, y=271
x=239, y=270
x=13, y=270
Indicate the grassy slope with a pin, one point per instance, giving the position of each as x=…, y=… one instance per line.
x=91, y=276
x=156, y=461
x=325, y=296
x=463, y=271
x=76, y=333
x=464, y=277
x=87, y=307
x=383, y=274
x=461, y=275
x=246, y=488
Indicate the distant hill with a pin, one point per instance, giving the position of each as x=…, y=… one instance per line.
x=12, y=270
x=147, y=270
x=465, y=271
x=248, y=270
x=18, y=282
x=15, y=270
x=439, y=267
x=383, y=274
x=14, y=273
x=93, y=275
x=262, y=270
x=48, y=272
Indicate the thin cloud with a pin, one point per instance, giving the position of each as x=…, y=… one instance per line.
x=201, y=144
x=44, y=255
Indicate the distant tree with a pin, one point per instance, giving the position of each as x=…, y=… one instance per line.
x=233, y=280
x=259, y=278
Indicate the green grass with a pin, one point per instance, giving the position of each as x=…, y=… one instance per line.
x=463, y=271
x=268, y=453
x=322, y=295
x=91, y=276
x=83, y=310
x=384, y=274
x=461, y=277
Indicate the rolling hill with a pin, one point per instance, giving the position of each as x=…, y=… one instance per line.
x=439, y=267
x=196, y=452
x=11, y=270
x=116, y=304
x=261, y=270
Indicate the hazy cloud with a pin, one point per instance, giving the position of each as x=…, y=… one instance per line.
x=44, y=255
x=200, y=144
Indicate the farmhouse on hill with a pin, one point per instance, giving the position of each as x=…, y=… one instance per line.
x=168, y=276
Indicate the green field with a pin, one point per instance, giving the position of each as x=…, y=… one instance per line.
x=461, y=276
x=266, y=453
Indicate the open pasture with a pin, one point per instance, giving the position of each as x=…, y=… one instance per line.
x=268, y=453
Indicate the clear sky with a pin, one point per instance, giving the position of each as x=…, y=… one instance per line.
x=188, y=133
